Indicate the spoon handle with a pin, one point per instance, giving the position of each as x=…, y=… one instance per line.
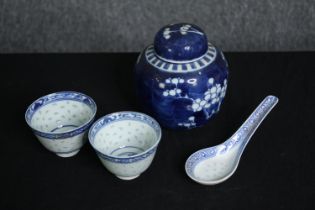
x=245, y=132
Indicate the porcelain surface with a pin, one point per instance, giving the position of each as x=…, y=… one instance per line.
x=182, y=79
x=61, y=120
x=125, y=142
x=215, y=164
x=180, y=42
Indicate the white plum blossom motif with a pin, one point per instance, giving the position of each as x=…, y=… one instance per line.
x=183, y=30
x=172, y=92
x=189, y=124
x=198, y=104
x=211, y=97
x=162, y=85
x=166, y=33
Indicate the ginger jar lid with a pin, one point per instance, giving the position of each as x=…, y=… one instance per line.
x=180, y=42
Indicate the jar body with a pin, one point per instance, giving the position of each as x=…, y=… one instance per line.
x=181, y=94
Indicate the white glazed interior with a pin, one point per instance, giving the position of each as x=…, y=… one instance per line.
x=214, y=169
x=125, y=138
x=61, y=116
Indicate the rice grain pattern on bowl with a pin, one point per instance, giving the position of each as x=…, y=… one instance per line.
x=125, y=142
x=61, y=120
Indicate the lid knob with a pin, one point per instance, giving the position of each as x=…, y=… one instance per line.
x=180, y=42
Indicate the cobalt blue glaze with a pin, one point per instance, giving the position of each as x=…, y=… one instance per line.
x=180, y=42
x=183, y=89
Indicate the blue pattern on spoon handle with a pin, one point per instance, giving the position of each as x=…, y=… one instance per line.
x=245, y=132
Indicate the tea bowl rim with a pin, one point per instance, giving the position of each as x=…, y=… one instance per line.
x=61, y=135
x=132, y=158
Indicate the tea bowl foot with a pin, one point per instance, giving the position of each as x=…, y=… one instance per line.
x=70, y=154
x=128, y=177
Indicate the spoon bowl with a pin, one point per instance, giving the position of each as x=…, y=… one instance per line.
x=216, y=164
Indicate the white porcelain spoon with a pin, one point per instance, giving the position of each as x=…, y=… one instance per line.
x=216, y=164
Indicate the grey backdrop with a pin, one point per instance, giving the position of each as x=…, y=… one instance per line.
x=130, y=25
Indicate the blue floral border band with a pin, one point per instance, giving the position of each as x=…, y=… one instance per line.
x=59, y=96
x=64, y=135
x=129, y=159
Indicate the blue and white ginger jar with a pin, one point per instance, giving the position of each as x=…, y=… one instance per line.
x=181, y=79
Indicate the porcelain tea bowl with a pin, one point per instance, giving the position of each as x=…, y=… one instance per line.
x=125, y=142
x=61, y=120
